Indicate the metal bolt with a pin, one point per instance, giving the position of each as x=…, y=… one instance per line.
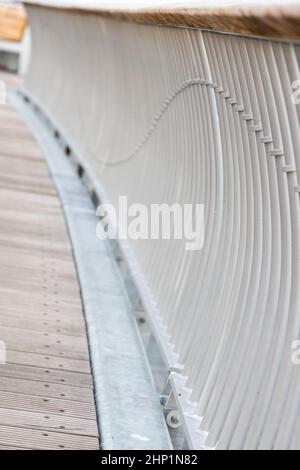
x=173, y=419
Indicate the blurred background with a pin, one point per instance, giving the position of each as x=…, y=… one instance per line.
x=14, y=37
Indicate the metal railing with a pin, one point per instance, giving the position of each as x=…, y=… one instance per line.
x=178, y=115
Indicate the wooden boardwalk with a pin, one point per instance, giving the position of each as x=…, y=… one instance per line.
x=46, y=390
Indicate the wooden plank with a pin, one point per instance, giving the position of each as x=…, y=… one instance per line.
x=40, y=307
x=43, y=404
x=12, y=22
x=48, y=362
x=46, y=387
x=15, y=320
x=36, y=320
x=41, y=343
x=48, y=390
x=44, y=440
x=3, y=447
x=48, y=422
x=37, y=373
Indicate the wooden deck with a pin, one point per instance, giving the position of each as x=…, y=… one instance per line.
x=46, y=390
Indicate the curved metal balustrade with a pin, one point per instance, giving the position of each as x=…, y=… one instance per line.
x=174, y=115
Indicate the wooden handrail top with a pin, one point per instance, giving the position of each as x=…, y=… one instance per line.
x=246, y=17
